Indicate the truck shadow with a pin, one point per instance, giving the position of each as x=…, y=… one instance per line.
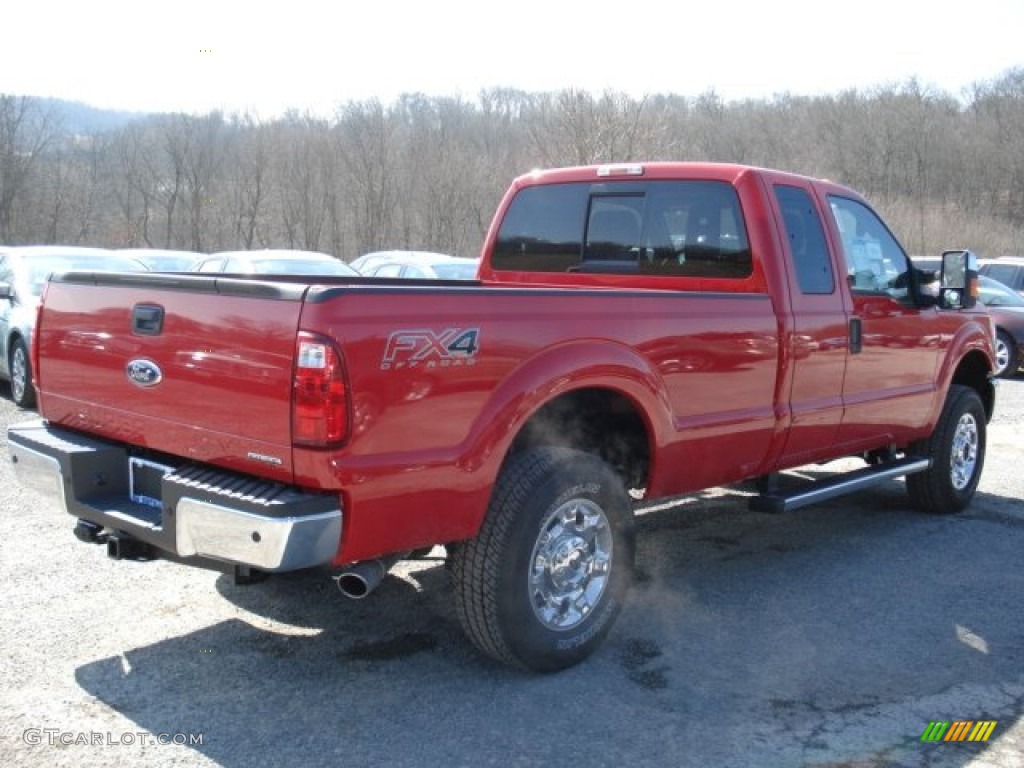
x=411, y=589
x=826, y=636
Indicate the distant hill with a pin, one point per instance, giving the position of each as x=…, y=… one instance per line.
x=77, y=117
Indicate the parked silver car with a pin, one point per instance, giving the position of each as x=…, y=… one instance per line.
x=1007, y=309
x=163, y=259
x=1008, y=270
x=23, y=272
x=273, y=262
x=416, y=264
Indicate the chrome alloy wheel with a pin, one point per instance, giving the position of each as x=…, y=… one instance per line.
x=570, y=564
x=1002, y=355
x=964, y=457
x=19, y=373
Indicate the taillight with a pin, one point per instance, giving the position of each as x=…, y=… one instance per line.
x=319, y=399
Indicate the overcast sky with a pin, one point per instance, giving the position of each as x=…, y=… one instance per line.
x=235, y=55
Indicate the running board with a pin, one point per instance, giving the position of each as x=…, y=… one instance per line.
x=820, y=490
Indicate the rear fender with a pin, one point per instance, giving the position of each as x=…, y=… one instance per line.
x=558, y=371
x=386, y=506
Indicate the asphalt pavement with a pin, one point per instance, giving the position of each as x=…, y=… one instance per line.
x=831, y=637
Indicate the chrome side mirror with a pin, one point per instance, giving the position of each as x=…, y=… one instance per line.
x=959, y=281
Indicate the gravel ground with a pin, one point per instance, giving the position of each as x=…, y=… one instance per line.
x=826, y=638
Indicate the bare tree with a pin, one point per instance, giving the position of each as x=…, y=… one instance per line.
x=428, y=172
x=365, y=143
x=248, y=184
x=26, y=130
x=203, y=152
x=131, y=185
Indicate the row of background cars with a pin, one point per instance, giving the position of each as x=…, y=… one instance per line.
x=1001, y=290
x=25, y=269
x=405, y=264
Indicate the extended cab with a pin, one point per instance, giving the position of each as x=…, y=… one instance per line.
x=635, y=331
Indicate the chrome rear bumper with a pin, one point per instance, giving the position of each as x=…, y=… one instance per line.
x=201, y=512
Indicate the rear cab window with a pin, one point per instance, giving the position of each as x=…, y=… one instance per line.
x=670, y=228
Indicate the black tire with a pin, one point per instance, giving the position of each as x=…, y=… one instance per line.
x=575, y=507
x=957, y=451
x=23, y=391
x=1007, y=355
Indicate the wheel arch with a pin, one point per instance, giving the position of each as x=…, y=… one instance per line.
x=974, y=370
x=593, y=396
x=598, y=420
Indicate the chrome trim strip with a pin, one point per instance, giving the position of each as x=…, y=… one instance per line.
x=39, y=472
x=268, y=543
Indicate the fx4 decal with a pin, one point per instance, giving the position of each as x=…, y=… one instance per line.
x=424, y=348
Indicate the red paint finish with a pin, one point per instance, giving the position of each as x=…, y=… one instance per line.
x=731, y=377
x=428, y=438
x=226, y=363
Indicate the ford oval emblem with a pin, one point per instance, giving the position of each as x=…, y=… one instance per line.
x=143, y=372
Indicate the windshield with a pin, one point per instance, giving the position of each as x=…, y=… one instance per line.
x=169, y=263
x=455, y=271
x=992, y=293
x=301, y=267
x=32, y=273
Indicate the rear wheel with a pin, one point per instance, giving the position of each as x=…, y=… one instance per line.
x=544, y=580
x=957, y=451
x=23, y=392
x=1007, y=358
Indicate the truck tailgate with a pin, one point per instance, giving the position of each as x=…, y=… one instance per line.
x=196, y=366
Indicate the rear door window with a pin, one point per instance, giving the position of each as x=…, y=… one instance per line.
x=388, y=270
x=1007, y=274
x=805, y=238
x=212, y=265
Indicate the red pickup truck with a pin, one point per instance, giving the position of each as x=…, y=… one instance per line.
x=635, y=332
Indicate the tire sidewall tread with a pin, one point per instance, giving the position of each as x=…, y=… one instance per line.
x=490, y=571
x=932, y=490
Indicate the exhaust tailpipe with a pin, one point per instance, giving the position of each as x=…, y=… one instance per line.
x=360, y=579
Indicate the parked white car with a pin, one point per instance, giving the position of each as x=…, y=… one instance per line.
x=416, y=264
x=24, y=271
x=163, y=259
x=273, y=262
x=1008, y=270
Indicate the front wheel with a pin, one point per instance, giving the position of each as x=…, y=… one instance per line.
x=544, y=580
x=23, y=392
x=957, y=451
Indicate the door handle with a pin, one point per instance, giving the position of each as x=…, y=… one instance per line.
x=147, y=319
x=856, y=336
